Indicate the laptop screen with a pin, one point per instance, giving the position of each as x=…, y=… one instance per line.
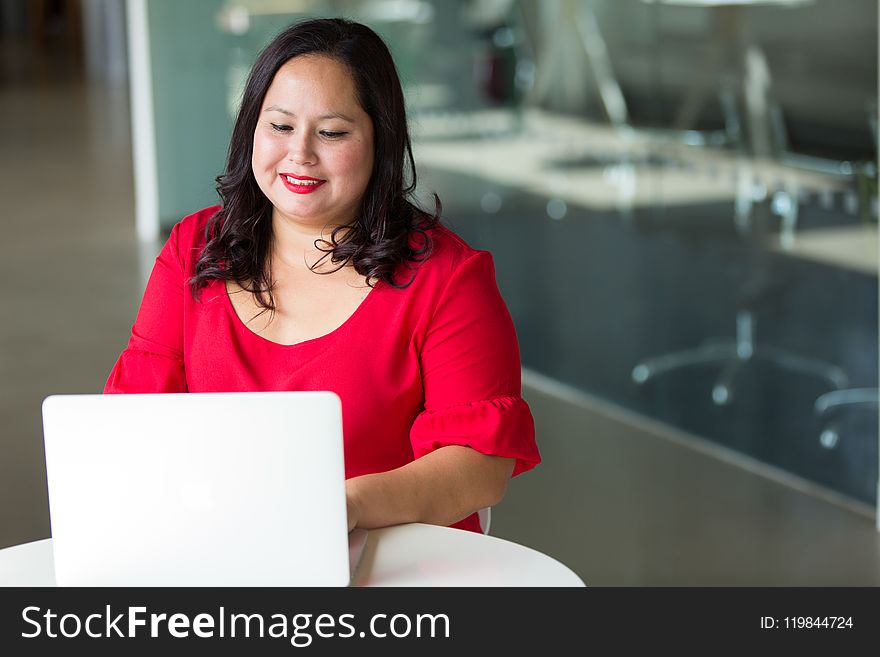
x=199, y=489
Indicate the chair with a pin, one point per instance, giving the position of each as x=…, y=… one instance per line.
x=766, y=138
x=485, y=515
x=732, y=354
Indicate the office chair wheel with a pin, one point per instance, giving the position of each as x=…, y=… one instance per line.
x=640, y=374
x=721, y=395
x=829, y=437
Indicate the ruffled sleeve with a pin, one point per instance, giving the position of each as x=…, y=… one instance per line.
x=471, y=372
x=500, y=427
x=140, y=370
x=153, y=360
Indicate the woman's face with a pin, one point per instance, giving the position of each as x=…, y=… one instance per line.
x=313, y=144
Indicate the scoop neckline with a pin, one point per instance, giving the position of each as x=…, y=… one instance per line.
x=246, y=329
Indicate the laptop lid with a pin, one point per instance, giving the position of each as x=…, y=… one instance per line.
x=198, y=489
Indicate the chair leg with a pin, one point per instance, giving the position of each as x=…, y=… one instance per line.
x=710, y=352
x=828, y=403
x=733, y=354
x=835, y=376
x=835, y=398
x=722, y=391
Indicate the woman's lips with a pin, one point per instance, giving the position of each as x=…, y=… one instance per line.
x=301, y=184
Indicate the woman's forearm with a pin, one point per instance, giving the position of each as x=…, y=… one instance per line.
x=439, y=488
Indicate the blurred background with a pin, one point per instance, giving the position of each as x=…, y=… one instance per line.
x=680, y=196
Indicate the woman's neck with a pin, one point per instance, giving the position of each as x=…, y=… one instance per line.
x=294, y=246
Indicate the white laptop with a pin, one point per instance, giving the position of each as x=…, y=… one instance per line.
x=199, y=489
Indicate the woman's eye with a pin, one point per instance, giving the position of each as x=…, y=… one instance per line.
x=333, y=135
x=278, y=127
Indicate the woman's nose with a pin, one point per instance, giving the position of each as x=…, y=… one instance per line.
x=301, y=150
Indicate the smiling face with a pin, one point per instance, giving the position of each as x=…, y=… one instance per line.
x=313, y=144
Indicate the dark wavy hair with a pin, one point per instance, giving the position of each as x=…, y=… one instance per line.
x=389, y=230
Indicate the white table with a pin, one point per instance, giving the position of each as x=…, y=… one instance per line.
x=406, y=555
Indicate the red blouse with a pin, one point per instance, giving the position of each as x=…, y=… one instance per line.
x=433, y=364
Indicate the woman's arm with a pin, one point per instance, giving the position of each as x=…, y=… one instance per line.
x=475, y=431
x=153, y=360
x=439, y=488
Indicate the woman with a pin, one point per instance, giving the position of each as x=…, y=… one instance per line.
x=318, y=273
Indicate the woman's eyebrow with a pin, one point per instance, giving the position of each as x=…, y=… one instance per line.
x=330, y=115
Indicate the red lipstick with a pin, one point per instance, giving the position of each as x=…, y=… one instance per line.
x=304, y=184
